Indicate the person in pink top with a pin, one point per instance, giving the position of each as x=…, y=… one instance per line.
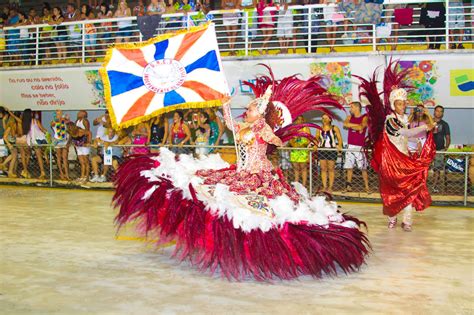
x=419, y=116
x=356, y=125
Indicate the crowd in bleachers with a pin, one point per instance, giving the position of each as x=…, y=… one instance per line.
x=268, y=24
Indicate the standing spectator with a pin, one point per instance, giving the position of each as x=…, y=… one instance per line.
x=12, y=132
x=329, y=137
x=35, y=135
x=13, y=35
x=24, y=42
x=61, y=32
x=285, y=28
x=3, y=148
x=442, y=138
x=102, y=122
x=81, y=137
x=156, y=7
x=456, y=21
x=159, y=129
x=419, y=116
x=33, y=17
x=248, y=6
x=230, y=20
x=75, y=33
x=61, y=143
x=3, y=43
x=140, y=139
x=139, y=9
x=331, y=23
x=300, y=158
x=91, y=33
x=217, y=128
x=179, y=133
x=356, y=125
x=433, y=15
x=265, y=21
x=124, y=27
x=46, y=34
x=105, y=33
x=202, y=135
x=107, y=141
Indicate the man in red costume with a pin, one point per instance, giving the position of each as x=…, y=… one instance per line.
x=402, y=176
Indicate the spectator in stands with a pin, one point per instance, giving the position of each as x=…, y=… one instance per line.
x=191, y=118
x=91, y=32
x=13, y=35
x=216, y=128
x=107, y=142
x=60, y=141
x=299, y=159
x=82, y=138
x=248, y=6
x=124, y=27
x=139, y=138
x=230, y=20
x=329, y=137
x=74, y=30
x=332, y=19
x=102, y=122
x=356, y=125
x=105, y=33
x=442, y=138
x=3, y=43
x=265, y=21
x=5, y=13
x=46, y=34
x=418, y=117
x=433, y=15
x=139, y=9
x=159, y=128
x=61, y=32
x=24, y=41
x=456, y=21
x=285, y=28
x=179, y=133
x=156, y=7
x=202, y=135
x=33, y=17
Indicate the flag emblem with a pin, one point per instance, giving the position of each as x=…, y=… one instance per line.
x=166, y=73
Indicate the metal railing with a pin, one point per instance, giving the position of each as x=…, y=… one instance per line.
x=305, y=29
x=448, y=179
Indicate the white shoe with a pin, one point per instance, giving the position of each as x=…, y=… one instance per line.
x=95, y=179
x=102, y=179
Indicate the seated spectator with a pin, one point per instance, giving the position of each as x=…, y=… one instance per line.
x=107, y=141
x=418, y=117
x=124, y=27
x=91, y=33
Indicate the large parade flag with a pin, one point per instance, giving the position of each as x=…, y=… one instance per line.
x=168, y=72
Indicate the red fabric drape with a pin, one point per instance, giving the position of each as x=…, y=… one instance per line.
x=402, y=178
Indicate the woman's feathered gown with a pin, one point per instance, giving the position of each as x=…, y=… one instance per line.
x=241, y=221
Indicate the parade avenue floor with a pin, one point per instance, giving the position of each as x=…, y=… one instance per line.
x=60, y=254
